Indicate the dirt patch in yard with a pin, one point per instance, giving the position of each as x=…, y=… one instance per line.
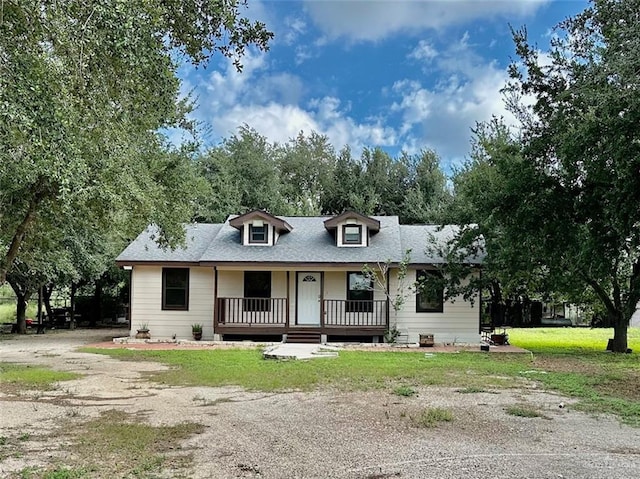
x=628, y=389
x=149, y=430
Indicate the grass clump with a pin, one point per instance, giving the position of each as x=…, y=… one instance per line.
x=15, y=377
x=127, y=448
x=117, y=444
x=66, y=473
x=522, y=410
x=471, y=390
x=56, y=473
x=431, y=417
x=405, y=391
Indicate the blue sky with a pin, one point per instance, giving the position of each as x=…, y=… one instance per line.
x=400, y=75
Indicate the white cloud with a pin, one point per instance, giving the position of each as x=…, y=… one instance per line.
x=270, y=103
x=441, y=116
x=424, y=52
x=303, y=53
x=294, y=27
x=279, y=123
x=370, y=21
x=276, y=122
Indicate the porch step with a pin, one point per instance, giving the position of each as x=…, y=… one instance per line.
x=309, y=337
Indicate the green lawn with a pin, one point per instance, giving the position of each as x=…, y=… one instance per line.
x=352, y=370
x=17, y=376
x=8, y=312
x=568, y=340
x=571, y=361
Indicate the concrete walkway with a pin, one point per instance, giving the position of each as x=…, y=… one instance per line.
x=300, y=351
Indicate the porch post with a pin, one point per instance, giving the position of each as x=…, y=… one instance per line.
x=322, y=299
x=387, y=305
x=216, y=313
x=286, y=326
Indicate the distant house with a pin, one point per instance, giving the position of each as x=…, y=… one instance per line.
x=258, y=276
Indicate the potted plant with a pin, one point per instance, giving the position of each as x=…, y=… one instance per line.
x=196, y=329
x=143, y=331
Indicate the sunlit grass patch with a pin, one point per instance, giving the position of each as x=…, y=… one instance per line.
x=8, y=312
x=352, y=370
x=568, y=340
x=16, y=377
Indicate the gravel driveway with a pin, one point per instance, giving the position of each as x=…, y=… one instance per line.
x=322, y=434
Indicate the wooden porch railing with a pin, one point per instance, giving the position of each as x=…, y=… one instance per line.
x=351, y=313
x=248, y=311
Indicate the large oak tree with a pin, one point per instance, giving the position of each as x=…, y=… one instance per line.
x=85, y=86
x=560, y=202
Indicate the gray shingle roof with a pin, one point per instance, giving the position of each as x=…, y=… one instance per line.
x=197, y=239
x=309, y=242
x=424, y=242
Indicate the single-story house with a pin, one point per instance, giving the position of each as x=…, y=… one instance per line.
x=259, y=276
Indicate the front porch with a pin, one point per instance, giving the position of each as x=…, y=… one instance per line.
x=253, y=317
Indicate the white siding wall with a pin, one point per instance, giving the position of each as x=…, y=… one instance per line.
x=335, y=285
x=146, y=303
x=458, y=323
x=230, y=284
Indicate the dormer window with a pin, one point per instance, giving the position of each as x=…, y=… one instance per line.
x=351, y=229
x=258, y=233
x=352, y=234
x=259, y=228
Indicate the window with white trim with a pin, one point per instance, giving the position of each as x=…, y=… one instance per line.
x=258, y=234
x=352, y=234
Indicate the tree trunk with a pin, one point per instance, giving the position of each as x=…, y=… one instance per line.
x=21, y=314
x=96, y=310
x=40, y=294
x=72, y=304
x=18, y=236
x=620, y=326
x=47, y=292
x=497, y=305
x=21, y=306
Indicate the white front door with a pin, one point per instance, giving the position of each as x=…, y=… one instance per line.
x=309, y=285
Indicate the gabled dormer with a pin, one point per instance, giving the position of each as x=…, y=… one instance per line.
x=259, y=228
x=352, y=229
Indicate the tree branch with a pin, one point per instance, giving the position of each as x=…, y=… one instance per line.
x=18, y=236
x=600, y=292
